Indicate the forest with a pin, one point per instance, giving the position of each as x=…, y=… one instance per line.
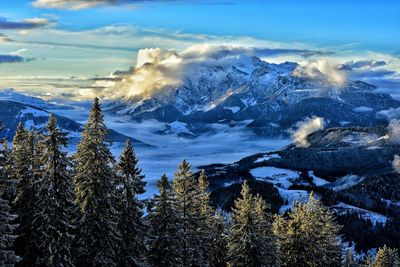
x=85, y=210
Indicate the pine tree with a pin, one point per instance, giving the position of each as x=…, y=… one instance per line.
x=24, y=173
x=387, y=257
x=349, y=259
x=5, y=170
x=219, y=242
x=250, y=241
x=7, y=228
x=7, y=255
x=308, y=236
x=97, y=235
x=130, y=224
x=185, y=188
x=208, y=223
x=54, y=199
x=164, y=236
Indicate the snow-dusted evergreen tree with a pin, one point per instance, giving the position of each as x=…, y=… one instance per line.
x=24, y=173
x=164, y=239
x=308, y=236
x=7, y=237
x=349, y=259
x=219, y=242
x=53, y=219
x=5, y=170
x=185, y=188
x=387, y=257
x=97, y=235
x=7, y=227
x=130, y=224
x=207, y=221
x=250, y=241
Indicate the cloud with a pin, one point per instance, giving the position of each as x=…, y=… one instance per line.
x=321, y=69
x=394, y=131
x=392, y=113
x=84, y=4
x=396, y=163
x=14, y=59
x=26, y=24
x=157, y=68
x=363, y=64
x=306, y=127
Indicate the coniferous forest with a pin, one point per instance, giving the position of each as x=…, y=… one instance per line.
x=84, y=209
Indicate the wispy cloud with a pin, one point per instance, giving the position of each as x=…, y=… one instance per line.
x=84, y=4
x=26, y=24
x=14, y=59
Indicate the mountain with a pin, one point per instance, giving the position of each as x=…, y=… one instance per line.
x=12, y=113
x=12, y=95
x=350, y=168
x=269, y=98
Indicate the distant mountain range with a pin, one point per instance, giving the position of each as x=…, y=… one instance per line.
x=269, y=98
x=32, y=116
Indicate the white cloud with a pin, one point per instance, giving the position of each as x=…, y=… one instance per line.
x=394, y=131
x=321, y=69
x=69, y=4
x=396, y=163
x=305, y=128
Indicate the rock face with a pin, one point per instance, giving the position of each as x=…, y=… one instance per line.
x=12, y=113
x=270, y=97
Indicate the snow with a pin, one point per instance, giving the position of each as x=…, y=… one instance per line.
x=267, y=157
x=390, y=202
x=292, y=196
x=363, y=109
x=233, y=109
x=345, y=182
x=29, y=124
x=280, y=177
x=375, y=218
x=249, y=101
x=317, y=181
x=34, y=112
x=344, y=123
x=179, y=127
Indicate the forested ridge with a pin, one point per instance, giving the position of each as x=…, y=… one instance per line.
x=85, y=210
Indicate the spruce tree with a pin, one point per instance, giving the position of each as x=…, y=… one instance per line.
x=164, y=239
x=308, y=236
x=97, y=234
x=185, y=188
x=54, y=199
x=250, y=241
x=219, y=242
x=130, y=225
x=8, y=257
x=7, y=228
x=208, y=224
x=24, y=173
x=387, y=257
x=349, y=259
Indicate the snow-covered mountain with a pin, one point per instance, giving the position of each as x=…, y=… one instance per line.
x=270, y=98
x=12, y=113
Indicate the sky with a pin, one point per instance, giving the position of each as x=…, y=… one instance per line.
x=55, y=48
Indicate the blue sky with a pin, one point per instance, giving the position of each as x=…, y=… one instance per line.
x=86, y=40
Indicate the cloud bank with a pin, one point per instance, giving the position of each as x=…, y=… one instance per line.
x=84, y=4
x=321, y=69
x=26, y=24
x=306, y=127
x=158, y=68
